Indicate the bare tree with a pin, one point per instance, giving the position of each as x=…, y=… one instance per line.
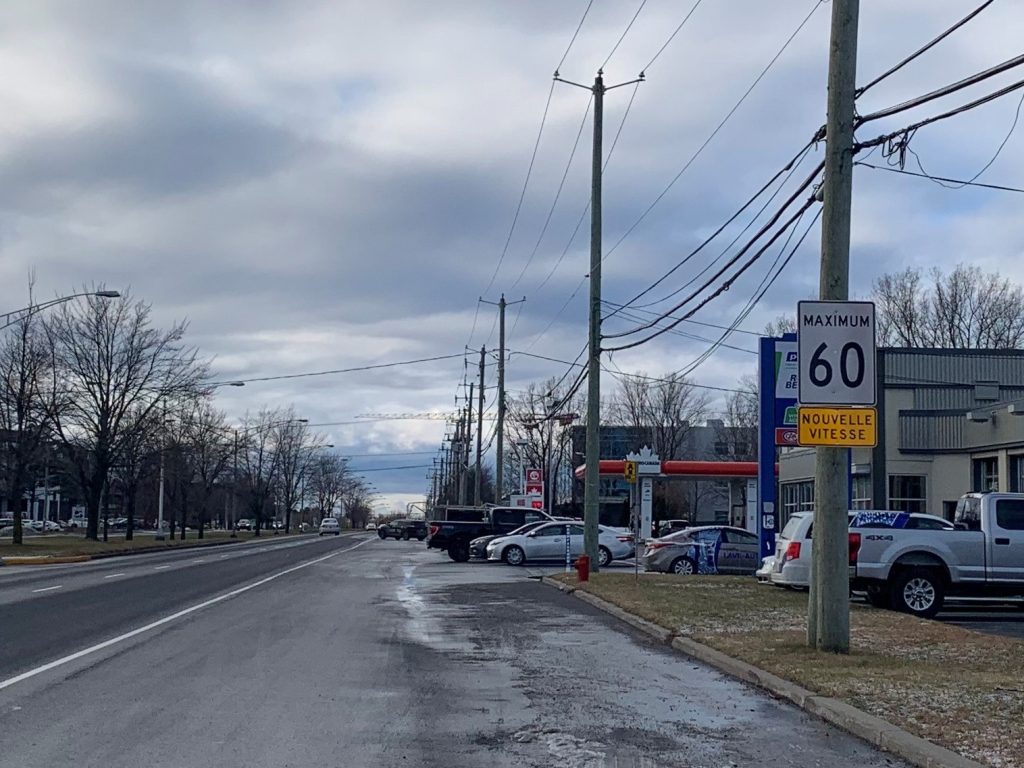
x=736, y=433
x=208, y=452
x=139, y=452
x=356, y=499
x=329, y=479
x=259, y=462
x=667, y=408
x=780, y=325
x=293, y=444
x=117, y=370
x=25, y=412
x=965, y=309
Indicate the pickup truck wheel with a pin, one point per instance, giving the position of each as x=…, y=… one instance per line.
x=459, y=551
x=604, y=557
x=382, y=533
x=917, y=591
x=879, y=598
x=513, y=555
x=405, y=535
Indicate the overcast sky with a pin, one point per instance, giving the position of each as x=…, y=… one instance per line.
x=324, y=184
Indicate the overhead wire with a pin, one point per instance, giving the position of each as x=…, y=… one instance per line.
x=931, y=177
x=715, y=132
x=575, y=34
x=671, y=37
x=624, y=33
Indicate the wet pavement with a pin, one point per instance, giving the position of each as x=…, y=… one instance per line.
x=389, y=655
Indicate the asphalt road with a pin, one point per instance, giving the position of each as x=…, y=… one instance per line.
x=363, y=653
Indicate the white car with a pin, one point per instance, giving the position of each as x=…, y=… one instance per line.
x=547, y=543
x=330, y=525
x=371, y=526
x=792, y=567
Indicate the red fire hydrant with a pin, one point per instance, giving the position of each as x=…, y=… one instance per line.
x=582, y=566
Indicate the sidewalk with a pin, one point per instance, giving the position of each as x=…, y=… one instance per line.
x=956, y=688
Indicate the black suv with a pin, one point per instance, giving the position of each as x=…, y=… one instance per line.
x=403, y=529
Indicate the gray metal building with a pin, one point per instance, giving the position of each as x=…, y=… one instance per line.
x=949, y=422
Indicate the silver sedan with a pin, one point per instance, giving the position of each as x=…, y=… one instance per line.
x=548, y=543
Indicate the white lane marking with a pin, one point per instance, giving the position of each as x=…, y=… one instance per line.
x=168, y=619
x=161, y=567
x=114, y=575
x=224, y=557
x=48, y=589
x=199, y=560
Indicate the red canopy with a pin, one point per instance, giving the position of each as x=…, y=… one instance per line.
x=684, y=468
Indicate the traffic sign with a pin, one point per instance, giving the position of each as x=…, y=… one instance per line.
x=786, y=436
x=629, y=471
x=843, y=427
x=836, y=352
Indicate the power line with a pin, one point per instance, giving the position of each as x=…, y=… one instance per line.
x=352, y=370
x=923, y=49
x=624, y=33
x=715, y=132
x=685, y=320
x=390, y=469
x=959, y=182
x=671, y=37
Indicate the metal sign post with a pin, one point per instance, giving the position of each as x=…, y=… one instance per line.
x=778, y=382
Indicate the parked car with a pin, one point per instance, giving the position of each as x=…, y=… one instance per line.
x=764, y=573
x=455, y=536
x=403, y=529
x=330, y=525
x=547, y=542
x=245, y=524
x=478, y=546
x=913, y=569
x=793, y=545
x=705, y=549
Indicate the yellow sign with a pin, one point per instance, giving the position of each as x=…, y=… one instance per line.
x=845, y=427
x=629, y=472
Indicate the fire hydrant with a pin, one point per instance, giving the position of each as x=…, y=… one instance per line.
x=582, y=566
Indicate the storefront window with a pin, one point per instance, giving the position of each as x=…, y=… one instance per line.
x=986, y=474
x=907, y=493
x=861, y=492
x=797, y=497
x=1016, y=474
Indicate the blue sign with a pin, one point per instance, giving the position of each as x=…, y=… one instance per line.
x=778, y=377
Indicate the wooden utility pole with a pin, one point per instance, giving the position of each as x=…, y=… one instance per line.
x=477, y=499
x=828, y=625
x=499, y=435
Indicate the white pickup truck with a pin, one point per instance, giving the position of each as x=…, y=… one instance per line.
x=914, y=570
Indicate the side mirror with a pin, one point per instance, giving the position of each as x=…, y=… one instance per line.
x=531, y=535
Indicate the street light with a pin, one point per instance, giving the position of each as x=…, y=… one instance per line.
x=33, y=308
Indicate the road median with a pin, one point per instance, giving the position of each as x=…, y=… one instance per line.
x=932, y=693
x=53, y=550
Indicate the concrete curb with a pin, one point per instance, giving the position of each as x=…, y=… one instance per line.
x=43, y=560
x=874, y=730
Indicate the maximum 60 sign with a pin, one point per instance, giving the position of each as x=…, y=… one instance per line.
x=836, y=352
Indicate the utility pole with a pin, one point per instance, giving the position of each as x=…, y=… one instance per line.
x=477, y=499
x=592, y=483
x=828, y=625
x=466, y=447
x=499, y=436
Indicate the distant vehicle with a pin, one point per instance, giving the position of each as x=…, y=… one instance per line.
x=913, y=569
x=371, y=526
x=330, y=525
x=245, y=524
x=764, y=573
x=709, y=549
x=793, y=545
x=403, y=529
x=478, y=546
x=454, y=536
x=547, y=543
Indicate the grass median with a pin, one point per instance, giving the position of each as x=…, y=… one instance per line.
x=955, y=687
x=69, y=545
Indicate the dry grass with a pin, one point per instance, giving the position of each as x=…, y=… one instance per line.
x=75, y=544
x=958, y=688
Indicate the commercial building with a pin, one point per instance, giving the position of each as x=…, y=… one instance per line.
x=950, y=421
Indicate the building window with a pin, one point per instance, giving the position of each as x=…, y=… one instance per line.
x=907, y=493
x=796, y=497
x=986, y=474
x=1016, y=474
x=861, y=492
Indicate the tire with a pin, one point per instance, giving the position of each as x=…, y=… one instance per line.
x=421, y=538
x=459, y=551
x=337, y=533
x=405, y=535
x=321, y=534
x=917, y=591
x=604, y=557
x=513, y=555
x=683, y=566
x=382, y=533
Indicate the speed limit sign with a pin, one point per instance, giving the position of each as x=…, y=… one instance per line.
x=836, y=352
